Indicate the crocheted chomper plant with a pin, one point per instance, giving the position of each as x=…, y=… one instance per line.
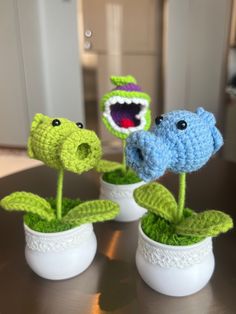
x=180, y=141
x=63, y=145
x=125, y=110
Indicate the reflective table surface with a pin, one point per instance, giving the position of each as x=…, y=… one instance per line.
x=111, y=284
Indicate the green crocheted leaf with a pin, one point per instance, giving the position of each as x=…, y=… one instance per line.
x=157, y=199
x=208, y=223
x=92, y=211
x=28, y=202
x=107, y=166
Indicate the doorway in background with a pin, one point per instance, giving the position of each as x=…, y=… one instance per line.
x=119, y=38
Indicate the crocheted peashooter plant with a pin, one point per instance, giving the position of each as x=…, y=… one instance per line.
x=181, y=142
x=125, y=109
x=63, y=145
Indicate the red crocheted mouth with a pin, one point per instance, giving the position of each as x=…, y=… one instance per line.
x=126, y=115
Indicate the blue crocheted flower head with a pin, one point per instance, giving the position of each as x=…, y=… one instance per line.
x=180, y=141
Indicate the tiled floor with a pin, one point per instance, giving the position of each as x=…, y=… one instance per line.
x=14, y=160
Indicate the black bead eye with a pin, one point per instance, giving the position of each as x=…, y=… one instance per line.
x=79, y=125
x=158, y=120
x=181, y=125
x=56, y=122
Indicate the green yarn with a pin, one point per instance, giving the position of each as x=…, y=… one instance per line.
x=36, y=223
x=181, y=197
x=209, y=223
x=63, y=146
x=108, y=166
x=157, y=199
x=122, y=80
x=59, y=193
x=121, y=97
x=162, y=231
x=41, y=214
x=28, y=202
x=124, y=156
x=121, y=177
x=121, y=135
x=123, y=94
x=98, y=210
x=175, y=223
x=74, y=213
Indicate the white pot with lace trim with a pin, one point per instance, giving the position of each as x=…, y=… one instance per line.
x=60, y=255
x=174, y=270
x=122, y=194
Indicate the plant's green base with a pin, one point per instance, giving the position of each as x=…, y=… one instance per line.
x=121, y=177
x=36, y=223
x=160, y=230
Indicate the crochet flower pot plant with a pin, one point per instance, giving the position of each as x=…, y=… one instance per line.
x=60, y=242
x=125, y=110
x=174, y=254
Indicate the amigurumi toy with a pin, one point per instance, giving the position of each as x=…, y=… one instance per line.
x=180, y=141
x=125, y=108
x=63, y=144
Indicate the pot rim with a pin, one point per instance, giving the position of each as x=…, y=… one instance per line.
x=172, y=247
x=56, y=234
x=121, y=186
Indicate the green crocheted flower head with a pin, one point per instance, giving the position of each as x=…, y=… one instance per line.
x=63, y=144
x=125, y=108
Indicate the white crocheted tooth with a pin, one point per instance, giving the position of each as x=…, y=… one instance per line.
x=107, y=106
x=107, y=110
x=121, y=100
x=113, y=100
x=114, y=125
x=141, y=115
x=128, y=101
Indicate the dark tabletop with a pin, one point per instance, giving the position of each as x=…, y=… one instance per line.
x=111, y=284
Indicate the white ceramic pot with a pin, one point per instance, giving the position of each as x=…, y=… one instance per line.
x=174, y=270
x=122, y=194
x=60, y=255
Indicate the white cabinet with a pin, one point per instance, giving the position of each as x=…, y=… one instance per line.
x=40, y=65
x=14, y=121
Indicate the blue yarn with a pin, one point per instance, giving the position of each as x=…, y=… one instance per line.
x=166, y=147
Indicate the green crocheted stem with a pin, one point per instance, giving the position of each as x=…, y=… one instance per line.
x=59, y=193
x=124, y=156
x=181, y=197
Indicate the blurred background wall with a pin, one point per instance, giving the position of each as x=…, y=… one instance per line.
x=57, y=57
x=40, y=65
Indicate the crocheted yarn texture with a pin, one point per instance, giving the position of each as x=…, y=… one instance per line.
x=126, y=108
x=180, y=141
x=62, y=144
